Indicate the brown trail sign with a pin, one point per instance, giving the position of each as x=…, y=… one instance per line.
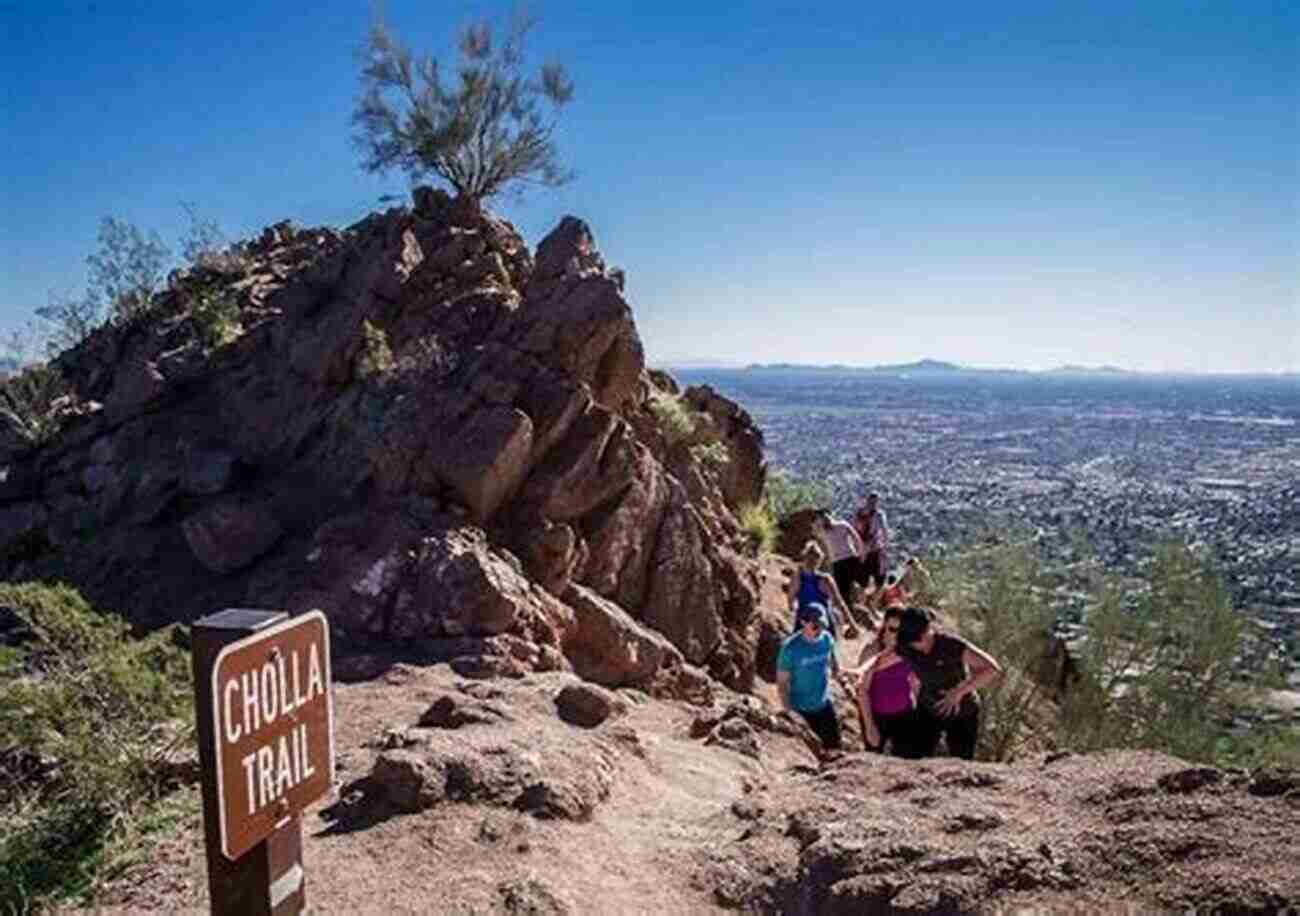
x=266, y=746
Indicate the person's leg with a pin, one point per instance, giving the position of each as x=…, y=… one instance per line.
x=826, y=724
x=872, y=568
x=842, y=571
x=908, y=736
x=923, y=731
x=962, y=734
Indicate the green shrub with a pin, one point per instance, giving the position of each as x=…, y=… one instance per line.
x=89, y=714
x=27, y=402
x=376, y=354
x=1154, y=671
x=713, y=455
x=673, y=416
x=1002, y=612
x=1158, y=663
x=216, y=317
x=759, y=526
x=786, y=494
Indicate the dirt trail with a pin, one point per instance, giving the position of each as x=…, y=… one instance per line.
x=638, y=853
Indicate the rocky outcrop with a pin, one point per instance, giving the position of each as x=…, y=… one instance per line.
x=1061, y=832
x=419, y=427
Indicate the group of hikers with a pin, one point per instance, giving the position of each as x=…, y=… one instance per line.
x=914, y=684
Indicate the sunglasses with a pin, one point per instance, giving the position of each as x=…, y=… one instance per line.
x=893, y=629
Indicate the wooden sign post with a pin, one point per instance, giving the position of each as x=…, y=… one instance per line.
x=266, y=749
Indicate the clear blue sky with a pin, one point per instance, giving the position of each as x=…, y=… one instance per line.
x=999, y=184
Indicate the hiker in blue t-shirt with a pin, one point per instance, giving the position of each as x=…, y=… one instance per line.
x=803, y=675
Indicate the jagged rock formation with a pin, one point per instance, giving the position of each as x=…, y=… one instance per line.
x=422, y=429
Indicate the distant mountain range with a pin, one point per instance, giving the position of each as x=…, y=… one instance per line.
x=938, y=367
x=934, y=367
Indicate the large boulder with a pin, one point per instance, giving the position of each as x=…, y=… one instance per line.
x=607, y=646
x=228, y=535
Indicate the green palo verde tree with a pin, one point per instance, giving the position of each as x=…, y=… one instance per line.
x=1158, y=667
x=481, y=134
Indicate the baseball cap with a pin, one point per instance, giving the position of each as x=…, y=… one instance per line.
x=813, y=612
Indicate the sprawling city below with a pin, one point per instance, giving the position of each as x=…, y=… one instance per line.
x=1120, y=459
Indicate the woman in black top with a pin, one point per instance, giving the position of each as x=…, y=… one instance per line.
x=951, y=670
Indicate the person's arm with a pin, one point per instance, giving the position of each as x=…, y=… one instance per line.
x=832, y=590
x=864, y=704
x=984, y=671
x=783, y=671
x=867, y=654
x=859, y=549
x=783, y=689
x=792, y=591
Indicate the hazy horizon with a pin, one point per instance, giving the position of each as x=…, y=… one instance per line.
x=1101, y=368
x=996, y=185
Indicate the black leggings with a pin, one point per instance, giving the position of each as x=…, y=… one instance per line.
x=961, y=732
x=826, y=724
x=905, y=733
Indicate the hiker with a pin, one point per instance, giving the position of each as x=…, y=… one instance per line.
x=809, y=585
x=915, y=576
x=804, y=669
x=951, y=670
x=845, y=550
x=873, y=532
x=892, y=593
x=887, y=694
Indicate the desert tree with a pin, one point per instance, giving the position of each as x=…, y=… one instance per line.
x=126, y=269
x=481, y=132
x=124, y=273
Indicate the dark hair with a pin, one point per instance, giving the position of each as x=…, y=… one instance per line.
x=894, y=611
x=912, y=624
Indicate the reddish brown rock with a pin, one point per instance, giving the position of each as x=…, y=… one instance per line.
x=743, y=475
x=607, y=646
x=230, y=534
x=422, y=430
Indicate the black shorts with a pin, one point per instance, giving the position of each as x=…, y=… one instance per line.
x=873, y=566
x=826, y=724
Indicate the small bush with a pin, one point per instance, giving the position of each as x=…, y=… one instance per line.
x=673, y=416
x=216, y=317
x=786, y=494
x=376, y=354
x=713, y=455
x=27, y=403
x=88, y=718
x=759, y=526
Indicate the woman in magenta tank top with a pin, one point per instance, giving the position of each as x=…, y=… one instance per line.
x=887, y=696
